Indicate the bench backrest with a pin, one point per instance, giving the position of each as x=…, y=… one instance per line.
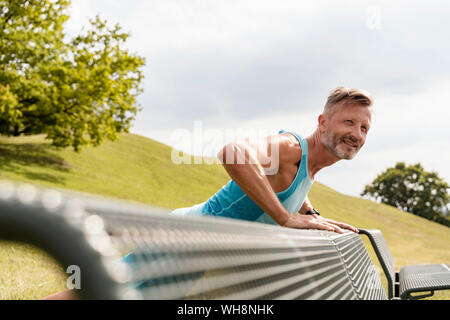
x=360, y=268
x=60, y=228
x=384, y=256
x=169, y=257
x=209, y=258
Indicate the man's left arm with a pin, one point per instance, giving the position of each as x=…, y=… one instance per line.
x=307, y=206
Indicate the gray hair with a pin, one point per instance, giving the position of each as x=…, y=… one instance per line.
x=347, y=96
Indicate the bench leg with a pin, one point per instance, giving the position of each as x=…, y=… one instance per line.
x=396, y=286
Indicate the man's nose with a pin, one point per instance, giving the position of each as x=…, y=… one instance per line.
x=358, y=134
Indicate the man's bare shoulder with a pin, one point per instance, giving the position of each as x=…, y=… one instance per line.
x=273, y=152
x=290, y=149
x=286, y=144
x=287, y=156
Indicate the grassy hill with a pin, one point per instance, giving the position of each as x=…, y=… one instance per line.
x=140, y=169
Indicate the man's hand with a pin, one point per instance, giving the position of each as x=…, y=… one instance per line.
x=315, y=221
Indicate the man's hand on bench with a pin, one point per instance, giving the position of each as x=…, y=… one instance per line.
x=315, y=221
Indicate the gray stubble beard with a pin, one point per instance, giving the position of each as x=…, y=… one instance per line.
x=330, y=142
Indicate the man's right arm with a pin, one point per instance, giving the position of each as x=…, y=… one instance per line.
x=247, y=164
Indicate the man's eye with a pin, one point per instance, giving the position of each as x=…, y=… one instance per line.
x=349, y=121
x=364, y=129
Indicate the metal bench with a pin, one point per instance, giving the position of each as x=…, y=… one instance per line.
x=410, y=279
x=129, y=251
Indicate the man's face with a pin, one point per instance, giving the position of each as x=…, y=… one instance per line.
x=344, y=132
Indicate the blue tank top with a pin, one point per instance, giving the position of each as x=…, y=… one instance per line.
x=231, y=202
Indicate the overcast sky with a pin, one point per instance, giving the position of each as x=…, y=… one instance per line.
x=260, y=65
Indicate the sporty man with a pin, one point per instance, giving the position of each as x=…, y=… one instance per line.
x=270, y=178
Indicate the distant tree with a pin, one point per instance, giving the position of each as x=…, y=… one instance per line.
x=412, y=189
x=76, y=91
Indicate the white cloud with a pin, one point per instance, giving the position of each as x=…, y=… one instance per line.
x=80, y=13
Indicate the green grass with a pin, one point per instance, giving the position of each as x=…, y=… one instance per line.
x=132, y=168
x=140, y=169
x=27, y=272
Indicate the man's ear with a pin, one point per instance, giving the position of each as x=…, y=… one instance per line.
x=322, y=123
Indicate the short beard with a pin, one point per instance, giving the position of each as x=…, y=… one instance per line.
x=330, y=141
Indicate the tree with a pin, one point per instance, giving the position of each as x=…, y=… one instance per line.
x=77, y=91
x=412, y=189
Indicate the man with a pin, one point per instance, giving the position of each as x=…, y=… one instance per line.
x=270, y=184
x=258, y=194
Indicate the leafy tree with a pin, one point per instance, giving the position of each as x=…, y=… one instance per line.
x=412, y=189
x=77, y=91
